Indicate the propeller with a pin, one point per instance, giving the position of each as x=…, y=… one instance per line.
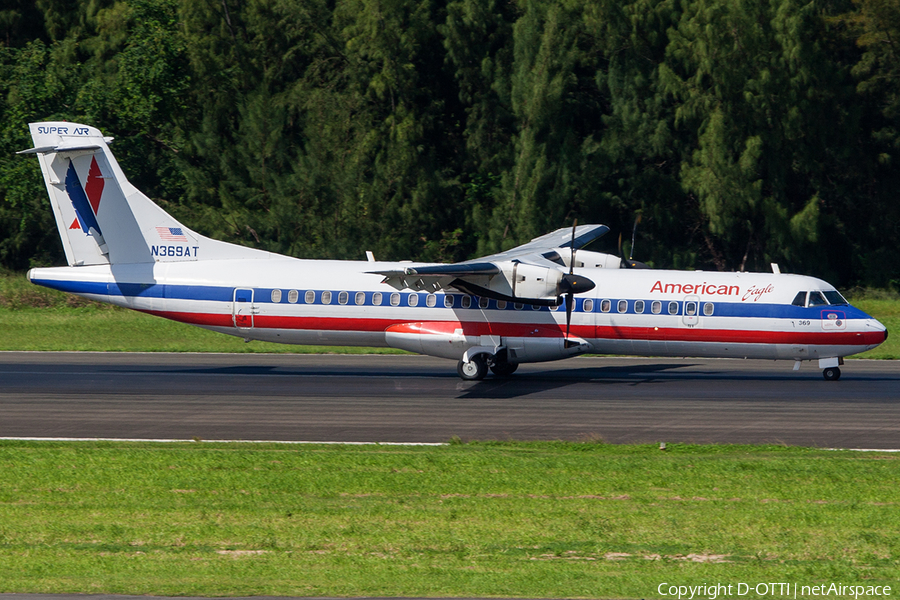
x=572, y=284
x=630, y=263
x=633, y=236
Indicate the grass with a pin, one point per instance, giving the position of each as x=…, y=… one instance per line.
x=886, y=310
x=37, y=318
x=478, y=519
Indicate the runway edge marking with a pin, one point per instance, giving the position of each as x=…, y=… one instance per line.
x=172, y=441
x=176, y=441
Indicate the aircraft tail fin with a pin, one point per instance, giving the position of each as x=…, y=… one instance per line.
x=101, y=217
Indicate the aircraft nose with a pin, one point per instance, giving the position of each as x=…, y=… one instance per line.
x=876, y=324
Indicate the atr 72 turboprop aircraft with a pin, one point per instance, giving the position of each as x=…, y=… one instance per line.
x=538, y=302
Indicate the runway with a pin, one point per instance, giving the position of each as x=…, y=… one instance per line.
x=370, y=398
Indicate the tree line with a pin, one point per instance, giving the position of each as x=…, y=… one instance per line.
x=739, y=132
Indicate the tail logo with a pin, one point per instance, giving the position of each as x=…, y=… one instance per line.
x=86, y=200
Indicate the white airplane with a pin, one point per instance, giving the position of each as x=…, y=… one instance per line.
x=538, y=302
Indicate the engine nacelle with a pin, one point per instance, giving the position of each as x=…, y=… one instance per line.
x=519, y=282
x=449, y=340
x=594, y=260
x=528, y=350
x=530, y=281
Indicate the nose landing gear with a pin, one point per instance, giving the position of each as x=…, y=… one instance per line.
x=830, y=366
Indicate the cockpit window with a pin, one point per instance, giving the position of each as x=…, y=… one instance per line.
x=799, y=299
x=835, y=298
x=817, y=299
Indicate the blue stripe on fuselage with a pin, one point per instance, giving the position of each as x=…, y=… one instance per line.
x=141, y=290
x=264, y=296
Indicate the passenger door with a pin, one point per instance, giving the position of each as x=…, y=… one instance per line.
x=243, y=308
x=691, y=311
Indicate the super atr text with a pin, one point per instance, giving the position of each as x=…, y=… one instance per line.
x=773, y=590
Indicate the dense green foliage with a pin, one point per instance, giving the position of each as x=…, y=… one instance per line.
x=742, y=132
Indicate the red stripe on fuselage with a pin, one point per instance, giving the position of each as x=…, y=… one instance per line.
x=667, y=334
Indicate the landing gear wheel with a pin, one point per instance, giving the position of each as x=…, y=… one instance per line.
x=831, y=374
x=504, y=369
x=473, y=370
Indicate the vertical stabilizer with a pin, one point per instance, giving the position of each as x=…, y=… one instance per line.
x=101, y=217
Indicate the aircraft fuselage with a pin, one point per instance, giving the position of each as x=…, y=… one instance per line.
x=634, y=312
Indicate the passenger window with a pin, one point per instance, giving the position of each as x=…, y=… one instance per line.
x=431, y=300
x=817, y=299
x=673, y=308
x=448, y=301
x=605, y=305
x=326, y=297
x=690, y=308
x=623, y=306
x=276, y=296
x=413, y=299
x=518, y=306
x=343, y=297
x=293, y=296
x=395, y=299
x=639, y=306
x=656, y=307
x=708, y=309
x=483, y=302
x=376, y=298
x=466, y=301
x=501, y=304
x=309, y=297
x=588, y=305
x=799, y=299
x=535, y=307
x=360, y=298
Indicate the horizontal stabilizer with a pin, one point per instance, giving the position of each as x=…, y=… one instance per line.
x=60, y=149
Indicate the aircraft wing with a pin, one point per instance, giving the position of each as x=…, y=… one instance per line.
x=561, y=238
x=522, y=273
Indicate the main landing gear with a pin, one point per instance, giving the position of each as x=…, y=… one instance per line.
x=832, y=374
x=473, y=370
x=504, y=369
x=478, y=365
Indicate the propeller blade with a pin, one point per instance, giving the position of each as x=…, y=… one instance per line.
x=569, y=282
x=572, y=255
x=633, y=235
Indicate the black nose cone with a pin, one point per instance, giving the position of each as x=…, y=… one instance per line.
x=575, y=284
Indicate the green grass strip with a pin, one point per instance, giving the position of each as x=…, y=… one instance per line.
x=478, y=519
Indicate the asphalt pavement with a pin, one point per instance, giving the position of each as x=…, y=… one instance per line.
x=384, y=398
